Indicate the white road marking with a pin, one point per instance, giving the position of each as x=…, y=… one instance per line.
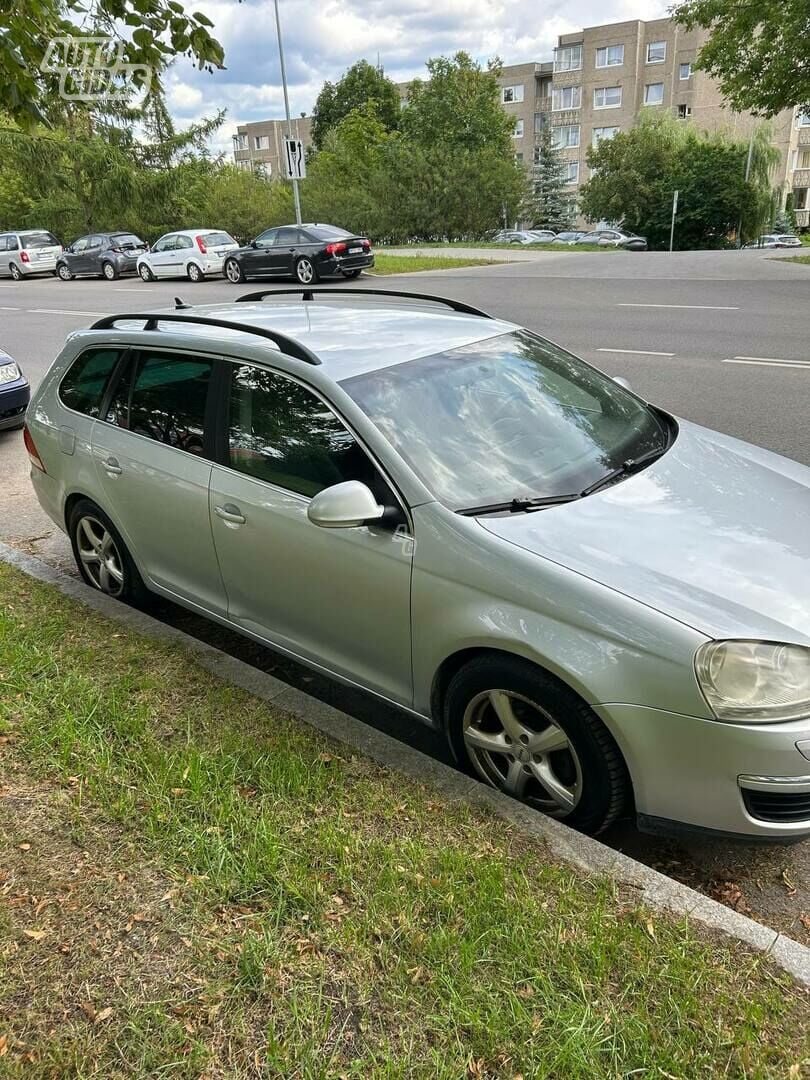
x=9, y=309
x=637, y=352
x=690, y=307
x=770, y=363
x=131, y=288
x=771, y=359
x=61, y=311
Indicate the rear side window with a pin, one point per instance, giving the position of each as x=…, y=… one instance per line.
x=282, y=433
x=3, y=243
x=83, y=386
x=217, y=239
x=163, y=397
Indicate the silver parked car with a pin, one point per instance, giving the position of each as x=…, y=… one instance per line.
x=27, y=253
x=188, y=253
x=604, y=608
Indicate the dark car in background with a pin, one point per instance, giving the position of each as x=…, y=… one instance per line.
x=614, y=238
x=306, y=253
x=107, y=255
x=15, y=393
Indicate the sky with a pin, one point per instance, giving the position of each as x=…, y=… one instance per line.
x=322, y=38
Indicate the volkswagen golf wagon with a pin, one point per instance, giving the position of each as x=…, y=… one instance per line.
x=605, y=609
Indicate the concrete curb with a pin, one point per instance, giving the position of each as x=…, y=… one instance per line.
x=655, y=889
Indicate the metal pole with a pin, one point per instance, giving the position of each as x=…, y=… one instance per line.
x=672, y=225
x=747, y=175
x=296, y=196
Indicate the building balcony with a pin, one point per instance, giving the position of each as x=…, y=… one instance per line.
x=801, y=178
x=804, y=136
x=802, y=218
x=543, y=104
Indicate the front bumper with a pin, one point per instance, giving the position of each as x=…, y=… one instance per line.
x=14, y=398
x=702, y=773
x=338, y=265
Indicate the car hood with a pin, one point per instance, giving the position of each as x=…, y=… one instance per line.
x=716, y=534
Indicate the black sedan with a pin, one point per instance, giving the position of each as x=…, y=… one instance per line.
x=106, y=255
x=306, y=253
x=14, y=393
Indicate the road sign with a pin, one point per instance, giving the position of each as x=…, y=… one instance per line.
x=675, y=195
x=294, y=159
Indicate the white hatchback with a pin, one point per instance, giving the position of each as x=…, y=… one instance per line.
x=189, y=253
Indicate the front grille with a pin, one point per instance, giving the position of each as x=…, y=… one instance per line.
x=778, y=806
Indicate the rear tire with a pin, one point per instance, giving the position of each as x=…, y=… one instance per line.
x=352, y=275
x=195, y=274
x=102, y=557
x=304, y=272
x=524, y=732
x=109, y=271
x=144, y=273
x=15, y=272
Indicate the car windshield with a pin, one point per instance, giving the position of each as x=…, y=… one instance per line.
x=218, y=238
x=126, y=240
x=38, y=240
x=510, y=417
x=327, y=232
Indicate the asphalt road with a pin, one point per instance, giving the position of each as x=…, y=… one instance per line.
x=720, y=338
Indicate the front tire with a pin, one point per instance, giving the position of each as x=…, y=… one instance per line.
x=234, y=272
x=144, y=273
x=63, y=272
x=102, y=556
x=305, y=272
x=524, y=732
x=195, y=274
x=109, y=271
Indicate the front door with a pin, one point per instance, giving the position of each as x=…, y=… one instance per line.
x=338, y=597
x=162, y=255
x=149, y=452
x=258, y=259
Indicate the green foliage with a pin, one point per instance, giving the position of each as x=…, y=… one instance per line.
x=634, y=175
x=757, y=49
x=458, y=107
x=362, y=87
x=160, y=30
x=549, y=205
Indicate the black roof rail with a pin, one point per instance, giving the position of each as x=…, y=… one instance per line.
x=289, y=346
x=310, y=294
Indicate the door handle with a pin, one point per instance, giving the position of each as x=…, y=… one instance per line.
x=112, y=467
x=230, y=513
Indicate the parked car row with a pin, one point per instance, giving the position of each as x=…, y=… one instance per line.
x=306, y=253
x=776, y=240
x=600, y=237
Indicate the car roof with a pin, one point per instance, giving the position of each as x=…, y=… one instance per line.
x=349, y=336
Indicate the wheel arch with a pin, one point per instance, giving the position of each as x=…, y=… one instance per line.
x=81, y=496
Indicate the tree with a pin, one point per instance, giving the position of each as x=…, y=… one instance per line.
x=243, y=203
x=361, y=86
x=758, y=50
x=634, y=174
x=549, y=206
x=458, y=107
x=157, y=31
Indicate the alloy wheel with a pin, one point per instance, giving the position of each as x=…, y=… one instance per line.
x=145, y=272
x=233, y=272
x=194, y=273
x=305, y=271
x=64, y=272
x=16, y=273
x=516, y=746
x=109, y=271
x=99, y=555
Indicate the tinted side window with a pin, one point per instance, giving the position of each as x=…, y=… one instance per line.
x=184, y=242
x=288, y=236
x=3, y=242
x=13, y=244
x=83, y=386
x=162, y=396
x=267, y=238
x=282, y=433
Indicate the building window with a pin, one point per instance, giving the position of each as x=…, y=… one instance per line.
x=610, y=56
x=511, y=94
x=685, y=71
x=261, y=142
x=602, y=133
x=539, y=122
x=566, y=97
x=571, y=174
x=240, y=141
x=684, y=112
x=607, y=97
x=803, y=120
x=518, y=132
x=654, y=93
x=656, y=52
x=802, y=160
x=519, y=158
x=567, y=135
x=568, y=58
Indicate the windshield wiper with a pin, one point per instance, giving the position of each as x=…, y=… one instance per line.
x=517, y=506
x=626, y=467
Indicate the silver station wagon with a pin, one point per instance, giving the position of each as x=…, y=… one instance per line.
x=606, y=610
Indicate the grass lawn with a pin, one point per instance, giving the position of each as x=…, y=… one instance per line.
x=792, y=258
x=195, y=885
x=409, y=264
x=486, y=246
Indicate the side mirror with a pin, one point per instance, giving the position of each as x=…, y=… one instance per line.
x=344, y=506
x=253, y=244
x=620, y=379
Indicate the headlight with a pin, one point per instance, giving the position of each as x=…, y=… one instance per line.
x=9, y=372
x=755, y=681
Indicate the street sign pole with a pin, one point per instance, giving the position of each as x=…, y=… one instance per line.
x=296, y=195
x=672, y=226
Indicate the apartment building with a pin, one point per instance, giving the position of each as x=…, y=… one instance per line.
x=260, y=145
x=603, y=79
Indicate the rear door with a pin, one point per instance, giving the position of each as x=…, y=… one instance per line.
x=288, y=244
x=150, y=451
x=4, y=270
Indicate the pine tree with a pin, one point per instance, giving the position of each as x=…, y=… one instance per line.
x=549, y=206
